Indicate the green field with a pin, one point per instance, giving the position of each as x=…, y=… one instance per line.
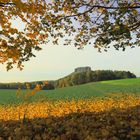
x=90, y=90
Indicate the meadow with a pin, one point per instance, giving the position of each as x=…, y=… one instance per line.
x=86, y=91
x=94, y=111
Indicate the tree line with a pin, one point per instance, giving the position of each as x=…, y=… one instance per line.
x=76, y=78
x=31, y=85
x=92, y=76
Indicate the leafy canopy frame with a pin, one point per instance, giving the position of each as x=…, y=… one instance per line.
x=100, y=23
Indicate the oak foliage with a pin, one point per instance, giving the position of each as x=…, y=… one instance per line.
x=102, y=24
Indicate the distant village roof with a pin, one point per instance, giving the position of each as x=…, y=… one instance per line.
x=82, y=69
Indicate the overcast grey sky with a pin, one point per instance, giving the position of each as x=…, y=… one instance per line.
x=54, y=62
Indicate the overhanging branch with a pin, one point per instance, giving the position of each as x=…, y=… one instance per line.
x=6, y=4
x=112, y=7
x=99, y=7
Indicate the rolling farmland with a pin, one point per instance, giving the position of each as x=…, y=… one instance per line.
x=85, y=91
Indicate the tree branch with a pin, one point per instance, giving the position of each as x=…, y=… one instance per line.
x=98, y=6
x=6, y=4
x=134, y=26
x=112, y=7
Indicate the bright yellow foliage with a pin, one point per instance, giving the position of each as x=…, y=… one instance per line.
x=61, y=108
x=111, y=118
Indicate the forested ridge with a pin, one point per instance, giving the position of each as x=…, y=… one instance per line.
x=92, y=76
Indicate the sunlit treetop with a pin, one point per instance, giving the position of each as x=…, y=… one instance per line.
x=100, y=23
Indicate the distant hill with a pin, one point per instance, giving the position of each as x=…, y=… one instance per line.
x=81, y=75
x=84, y=75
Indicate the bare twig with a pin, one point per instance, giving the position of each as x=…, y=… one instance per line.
x=6, y=4
x=98, y=6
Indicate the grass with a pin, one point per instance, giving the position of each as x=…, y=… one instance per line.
x=127, y=82
x=95, y=118
x=86, y=91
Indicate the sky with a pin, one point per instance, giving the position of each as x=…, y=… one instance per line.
x=57, y=61
x=54, y=62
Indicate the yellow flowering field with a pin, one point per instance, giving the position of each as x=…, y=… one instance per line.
x=111, y=118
